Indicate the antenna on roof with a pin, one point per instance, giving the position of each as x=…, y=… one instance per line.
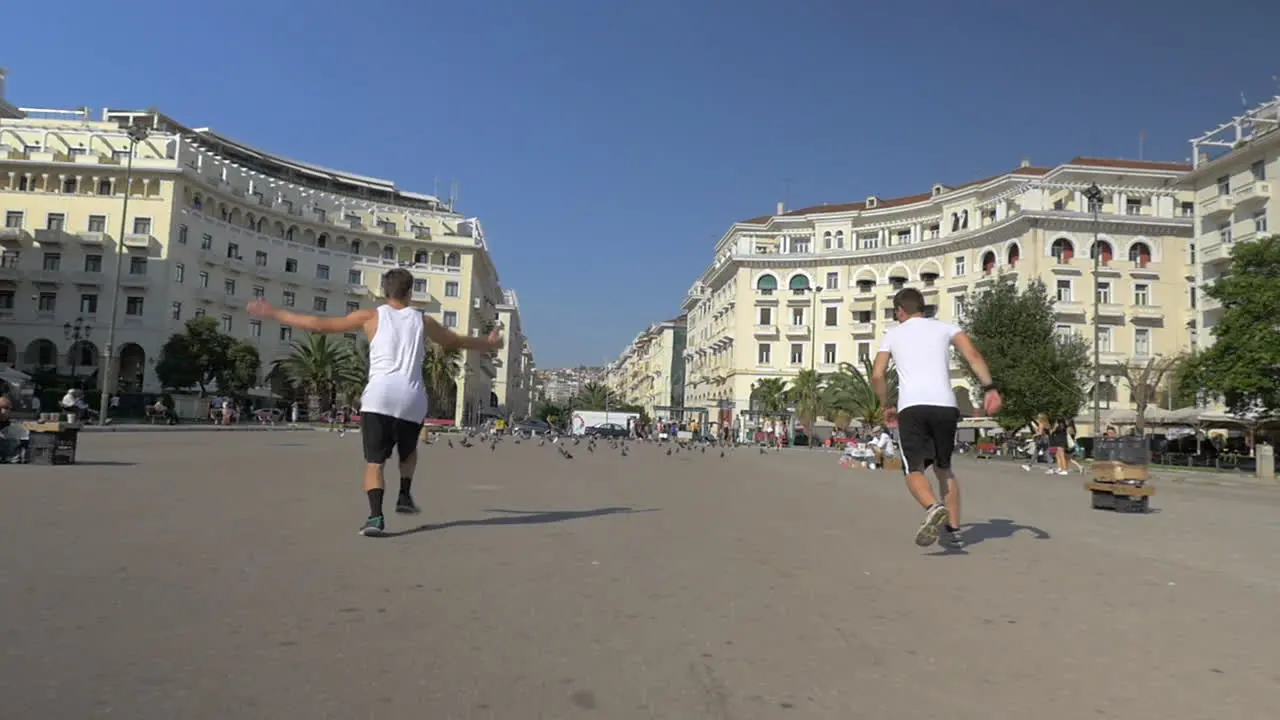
x=1142, y=141
x=1243, y=102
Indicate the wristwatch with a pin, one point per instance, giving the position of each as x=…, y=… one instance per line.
x=990, y=386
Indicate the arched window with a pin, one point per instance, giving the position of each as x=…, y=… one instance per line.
x=322, y=241
x=840, y=239
x=766, y=284
x=1015, y=254
x=1103, y=248
x=1140, y=254
x=798, y=283
x=826, y=240
x=1063, y=250
x=389, y=253
x=988, y=262
x=421, y=257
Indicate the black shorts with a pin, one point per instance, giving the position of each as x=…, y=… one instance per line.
x=380, y=434
x=927, y=436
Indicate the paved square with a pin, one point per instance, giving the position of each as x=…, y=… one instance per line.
x=214, y=575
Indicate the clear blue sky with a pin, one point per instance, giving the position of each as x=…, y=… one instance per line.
x=607, y=145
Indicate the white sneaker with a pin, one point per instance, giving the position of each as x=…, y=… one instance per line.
x=1063, y=472
x=1026, y=468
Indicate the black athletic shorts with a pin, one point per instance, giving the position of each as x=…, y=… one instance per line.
x=382, y=433
x=927, y=436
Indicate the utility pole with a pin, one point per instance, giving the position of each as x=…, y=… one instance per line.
x=1094, y=196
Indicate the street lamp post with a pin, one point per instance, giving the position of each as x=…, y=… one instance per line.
x=137, y=134
x=75, y=332
x=1094, y=196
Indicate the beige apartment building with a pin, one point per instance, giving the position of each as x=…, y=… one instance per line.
x=1233, y=180
x=650, y=371
x=513, y=383
x=813, y=288
x=211, y=224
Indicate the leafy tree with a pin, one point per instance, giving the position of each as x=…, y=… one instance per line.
x=805, y=394
x=357, y=373
x=1038, y=371
x=595, y=396
x=848, y=391
x=1182, y=386
x=239, y=374
x=1144, y=383
x=318, y=366
x=769, y=395
x=1243, y=364
x=196, y=356
x=440, y=369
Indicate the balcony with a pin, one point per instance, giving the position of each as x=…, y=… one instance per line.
x=51, y=236
x=211, y=257
x=1068, y=307
x=46, y=277
x=1215, y=251
x=358, y=290
x=93, y=237
x=138, y=240
x=10, y=273
x=1110, y=310
x=766, y=297
x=862, y=329
x=766, y=331
x=86, y=278
x=422, y=296
x=798, y=331
x=1217, y=205
x=1146, y=312
x=1255, y=191
x=135, y=280
x=14, y=235
x=207, y=295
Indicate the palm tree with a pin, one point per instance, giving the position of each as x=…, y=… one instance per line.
x=769, y=395
x=319, y=367
x=440, y=369
x=806, y=395
x=595, y=396
x=849, y=391
x=358, y=354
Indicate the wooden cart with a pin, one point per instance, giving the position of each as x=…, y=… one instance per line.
x=1121, y=487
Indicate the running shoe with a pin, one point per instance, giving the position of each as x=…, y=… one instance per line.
x=406, y=506
x=374, y=527
x=934, y=518
x=951, y=539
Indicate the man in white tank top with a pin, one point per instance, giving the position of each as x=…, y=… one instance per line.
x=394, y=404
x=926, y=415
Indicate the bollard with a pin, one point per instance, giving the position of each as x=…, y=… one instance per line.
x=1266, y=454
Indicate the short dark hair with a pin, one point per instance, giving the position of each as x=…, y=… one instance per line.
x=909, y=301
x=397, y=284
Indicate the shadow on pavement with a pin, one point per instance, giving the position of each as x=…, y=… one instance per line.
x=993, y=529
x=523, y=517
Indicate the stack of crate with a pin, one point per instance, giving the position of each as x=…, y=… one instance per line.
x=1120, y=475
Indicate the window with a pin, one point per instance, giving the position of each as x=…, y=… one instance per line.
x=1141, y=294
x=6, y=299
x=198, y=313
x=142, y=226
x=179, y=273
x=48, y=302
x=352, y=306
x=1064, y=332
x=182, y=234
x=229, y=287
x=958, y=307
x=1224, y=185
x=764, y=354
x=1142, y=342
x=797, y=316
x=322, y=272
x=450, y=319
x=864, y=351
x=1060, y=204
x=260, y=259
x=88, y=304
x=175, y=310
x=290, y=265
x=93, y=263
x=97, y=223
x=52, y=261
x=1133, y=206
x=226, y=323
x=829, y=354
x=104, y=187
x=1104, y=339
x=1104, y=293
x=419, y=285
x=833, y=281
x=832, y=316
x=1260, y=222
x=355, y=247
x=133, y=305
x=1259, y=170
x=55, y=221
x=259, y=292
x=766, y=316
x=1187, y=209
x=204, y=279
x=451, y=289
x=137, y=265
x=206, y=242
x=9, y=259
x=355, y=277
x=1224, y=232
x=1064, y=291
x=797, y=353
x=255, y=328
x=320, y=304
x=286, y=334
x=288, y=298
x=959, y=267
x=13, y=219
x=1193, y=297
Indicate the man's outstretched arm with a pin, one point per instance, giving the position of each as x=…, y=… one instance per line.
x=445, y=337
x=313, y=323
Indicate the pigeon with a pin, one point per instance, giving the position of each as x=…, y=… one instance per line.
x=450, y=441
x=493, y=445
x=721, y=453
x=624, y=452
x=668, y=451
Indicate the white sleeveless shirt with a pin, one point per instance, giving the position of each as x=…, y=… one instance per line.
x=395, y=386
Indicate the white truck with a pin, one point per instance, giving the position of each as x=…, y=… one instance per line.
x=583, y=419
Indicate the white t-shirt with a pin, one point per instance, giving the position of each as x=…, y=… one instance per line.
x=395, y=386
x=921, y=348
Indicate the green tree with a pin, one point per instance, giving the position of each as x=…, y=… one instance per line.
x=440, y=369
x=848, y=391
x=318, y=366
x=595, y=396
x=1243, y=365
x=358, y=372
x=805, y=394
x=1144, y=381
x=240, y=373
x=769, y=395
x=1038, y=371
x=196, y=356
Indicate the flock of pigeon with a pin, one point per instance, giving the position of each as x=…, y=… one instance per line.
x=562, y=444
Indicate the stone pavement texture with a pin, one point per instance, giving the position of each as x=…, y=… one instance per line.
x=203, y=575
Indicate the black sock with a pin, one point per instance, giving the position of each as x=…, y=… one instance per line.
x=375, y=502
x=406, y=484
x=952, y=528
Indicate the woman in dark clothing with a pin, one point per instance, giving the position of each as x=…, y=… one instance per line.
x=1058, y=445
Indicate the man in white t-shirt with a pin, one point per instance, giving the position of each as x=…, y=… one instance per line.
x=926, y=414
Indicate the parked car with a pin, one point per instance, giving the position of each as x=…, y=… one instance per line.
x=532, y=427
x=606, y=430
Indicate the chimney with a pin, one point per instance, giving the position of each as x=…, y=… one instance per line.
x=782, y=207
x=1026, y=162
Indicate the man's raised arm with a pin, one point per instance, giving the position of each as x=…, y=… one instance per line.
x=442, y=335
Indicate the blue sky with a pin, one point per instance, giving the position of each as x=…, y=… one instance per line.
x=608, y=145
